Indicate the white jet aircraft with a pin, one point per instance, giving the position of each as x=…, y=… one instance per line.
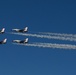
x=2, y=31
x=21, y=30
x=3, y=41
x=21, y=41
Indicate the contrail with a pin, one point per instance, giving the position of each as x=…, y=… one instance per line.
x=48, y=36
x=50, y=45
x=59, y=34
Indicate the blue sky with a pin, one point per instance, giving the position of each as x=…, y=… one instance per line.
x=40, y=16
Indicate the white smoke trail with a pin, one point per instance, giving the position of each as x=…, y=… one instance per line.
x=48, y=36
x=50, y=45
x=59, y=34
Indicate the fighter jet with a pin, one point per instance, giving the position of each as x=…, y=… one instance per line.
x=21, y=41
x=2, y=31
x=21, y=30
x=3, y=41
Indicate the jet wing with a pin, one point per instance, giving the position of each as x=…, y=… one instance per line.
x=16, y=29
x=17, y=41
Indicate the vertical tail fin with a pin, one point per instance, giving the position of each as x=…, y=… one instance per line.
x=26, y=40
x=3, y=29
x=5, y=40
x=26, y=29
